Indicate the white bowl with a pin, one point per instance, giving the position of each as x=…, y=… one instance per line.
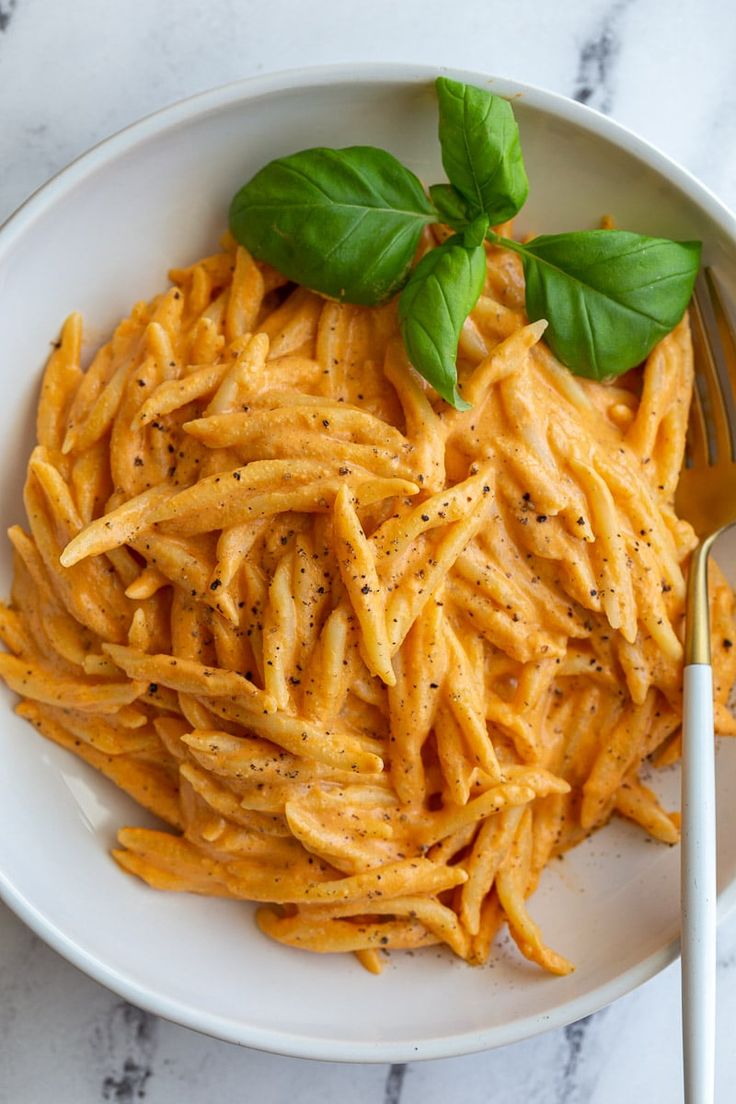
x=98, y=237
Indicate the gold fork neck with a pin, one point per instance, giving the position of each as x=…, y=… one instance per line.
x=697, y=628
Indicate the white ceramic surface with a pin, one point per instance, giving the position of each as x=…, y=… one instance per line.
x=102, y=235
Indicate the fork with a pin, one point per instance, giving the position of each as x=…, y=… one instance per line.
x=706, y=497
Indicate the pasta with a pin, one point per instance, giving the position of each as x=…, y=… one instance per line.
x=374, y=661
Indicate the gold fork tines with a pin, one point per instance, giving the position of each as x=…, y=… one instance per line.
x=724, y=350
x=706, y=493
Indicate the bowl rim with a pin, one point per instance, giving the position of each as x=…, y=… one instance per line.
x=108, y=150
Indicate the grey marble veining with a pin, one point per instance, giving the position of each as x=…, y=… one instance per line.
x=6, y=14
x=72, y=73
x=595, y=82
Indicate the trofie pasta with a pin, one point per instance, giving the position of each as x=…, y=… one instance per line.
x=374, y=661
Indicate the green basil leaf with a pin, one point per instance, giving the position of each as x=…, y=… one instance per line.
x=481, y=151
x=474, y=234
x=440, y=294
x=608, y=295
x=450, y=205
x=342, y=222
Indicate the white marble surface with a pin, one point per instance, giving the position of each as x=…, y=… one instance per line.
x=73, y=72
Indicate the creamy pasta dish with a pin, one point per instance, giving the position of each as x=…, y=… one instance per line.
x=371, y=660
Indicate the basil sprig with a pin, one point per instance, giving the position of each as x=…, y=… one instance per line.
x=347, y=223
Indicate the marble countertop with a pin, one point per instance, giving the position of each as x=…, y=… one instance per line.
x=72, y=73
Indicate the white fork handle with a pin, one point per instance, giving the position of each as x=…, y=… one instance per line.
x=698, y=886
